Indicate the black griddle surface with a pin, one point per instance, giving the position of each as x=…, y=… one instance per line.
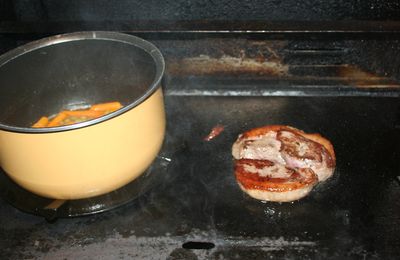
x=356, y=213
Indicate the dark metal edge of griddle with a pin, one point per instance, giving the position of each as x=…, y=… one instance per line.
x=321, y=91
x=211, y=86
x=174, y=29
x=206, y=25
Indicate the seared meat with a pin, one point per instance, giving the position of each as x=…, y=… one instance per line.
x=300, y=152
x=265, y=180
x=264, y=147
x=281, y=163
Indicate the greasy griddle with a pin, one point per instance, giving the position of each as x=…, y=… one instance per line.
x=200, y=212
x=322, y=66
x=354, y=213
x=342, y=83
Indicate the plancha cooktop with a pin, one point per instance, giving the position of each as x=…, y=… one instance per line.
x=198, y=211
x=337, y=78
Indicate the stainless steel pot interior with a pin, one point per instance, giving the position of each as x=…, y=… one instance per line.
x=72, y=71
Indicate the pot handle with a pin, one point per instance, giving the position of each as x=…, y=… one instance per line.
x=50, y=212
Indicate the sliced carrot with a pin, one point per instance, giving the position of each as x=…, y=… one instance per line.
x=109, y=107
x=56, y=121
x=68, y=117
x=87, y=113
x=42, y=122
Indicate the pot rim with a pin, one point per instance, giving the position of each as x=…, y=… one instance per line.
x=148, y=47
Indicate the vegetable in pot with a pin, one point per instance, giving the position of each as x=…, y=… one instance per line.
x=69, y=117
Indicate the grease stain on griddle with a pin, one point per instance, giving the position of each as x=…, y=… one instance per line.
x=206, y=65
x=364, y=79
x=170, y=247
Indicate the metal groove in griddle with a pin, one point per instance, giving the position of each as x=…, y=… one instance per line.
x=277, y=93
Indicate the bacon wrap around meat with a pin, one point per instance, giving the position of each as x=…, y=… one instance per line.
x=295, y=179
x=281, y=163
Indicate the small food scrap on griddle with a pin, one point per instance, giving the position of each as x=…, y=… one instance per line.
x=69, y=117
x=281, y=163
x=215, y=131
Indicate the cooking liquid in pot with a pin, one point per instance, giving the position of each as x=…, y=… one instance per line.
x=69, y=117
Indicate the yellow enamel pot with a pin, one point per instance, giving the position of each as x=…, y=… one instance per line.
x=73, y=71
